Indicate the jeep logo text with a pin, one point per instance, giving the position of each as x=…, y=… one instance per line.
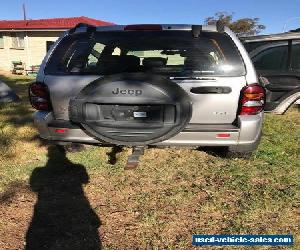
x=135, y=92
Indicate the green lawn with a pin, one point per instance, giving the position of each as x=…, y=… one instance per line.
x=78, y=201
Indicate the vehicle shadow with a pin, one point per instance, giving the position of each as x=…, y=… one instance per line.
x=63, y=217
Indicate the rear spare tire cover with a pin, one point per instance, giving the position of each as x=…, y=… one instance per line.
x=131, y=109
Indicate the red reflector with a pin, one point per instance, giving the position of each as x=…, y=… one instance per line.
x=143, y=27
x=223, y=135
x=60, y=130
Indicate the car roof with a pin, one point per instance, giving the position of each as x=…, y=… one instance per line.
x=82, y=27
x=272, y=37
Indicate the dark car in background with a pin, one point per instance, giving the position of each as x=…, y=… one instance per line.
x=276, y=58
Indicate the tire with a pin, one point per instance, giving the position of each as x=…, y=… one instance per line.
x=132, y=109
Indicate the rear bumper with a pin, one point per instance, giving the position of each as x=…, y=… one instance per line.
x=242, y=138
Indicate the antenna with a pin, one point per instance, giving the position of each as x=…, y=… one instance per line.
x=24, y=12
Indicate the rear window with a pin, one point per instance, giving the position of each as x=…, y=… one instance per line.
x=172, y=53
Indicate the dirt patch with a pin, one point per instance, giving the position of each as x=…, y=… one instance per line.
x=13, y=189
x=16, y=204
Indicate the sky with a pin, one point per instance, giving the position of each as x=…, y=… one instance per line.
x=274, y=14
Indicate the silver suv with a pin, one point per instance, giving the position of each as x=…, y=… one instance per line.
x=149, y=85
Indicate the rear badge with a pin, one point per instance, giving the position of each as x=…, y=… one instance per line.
x=220, y=113
x=139, y=114
x=135, y=92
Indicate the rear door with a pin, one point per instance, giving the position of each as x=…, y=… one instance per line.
x=209, y=67
x=279, y=63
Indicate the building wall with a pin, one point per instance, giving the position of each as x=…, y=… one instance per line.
x=35, y=48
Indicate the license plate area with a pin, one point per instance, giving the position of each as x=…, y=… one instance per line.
x=131, y=114
x=134, y=113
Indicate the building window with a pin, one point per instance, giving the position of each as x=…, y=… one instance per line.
x=1, y=41
x=49, y=45
x=17, y=40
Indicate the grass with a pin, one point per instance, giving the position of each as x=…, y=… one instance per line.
x=55, y=200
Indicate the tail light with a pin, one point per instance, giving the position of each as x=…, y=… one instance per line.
x=143, y=27
x=252, y=99
x=39, y=96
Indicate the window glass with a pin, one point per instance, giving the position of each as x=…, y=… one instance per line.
x=173, y=53
x=95, y=54
x=249, y=46
x=295, y=64
x=175, y=59
x=272, y=59
x=17, y=40
x=1, y=41
x=49, y=44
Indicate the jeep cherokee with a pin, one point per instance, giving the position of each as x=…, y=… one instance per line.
x=149, y=85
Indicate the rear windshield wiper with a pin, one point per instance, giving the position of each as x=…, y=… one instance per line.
x=194, y=75
x=191, y=78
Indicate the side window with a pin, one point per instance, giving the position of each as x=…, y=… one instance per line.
x=75, y=58
x=95, y=53
x=272, y=59
x=82, y=56
x=249, y=46
x=295, y=64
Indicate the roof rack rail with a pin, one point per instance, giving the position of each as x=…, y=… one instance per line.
x=220, y=26
x=90, y=28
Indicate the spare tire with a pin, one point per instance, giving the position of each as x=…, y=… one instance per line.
x=131, y=109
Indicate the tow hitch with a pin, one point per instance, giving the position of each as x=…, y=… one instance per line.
x=134, y=159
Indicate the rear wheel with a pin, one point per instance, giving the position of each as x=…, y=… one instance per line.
x=132, y=109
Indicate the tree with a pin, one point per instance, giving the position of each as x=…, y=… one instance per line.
x=242, y=27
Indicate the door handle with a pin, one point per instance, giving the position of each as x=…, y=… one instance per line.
x=210, y=90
